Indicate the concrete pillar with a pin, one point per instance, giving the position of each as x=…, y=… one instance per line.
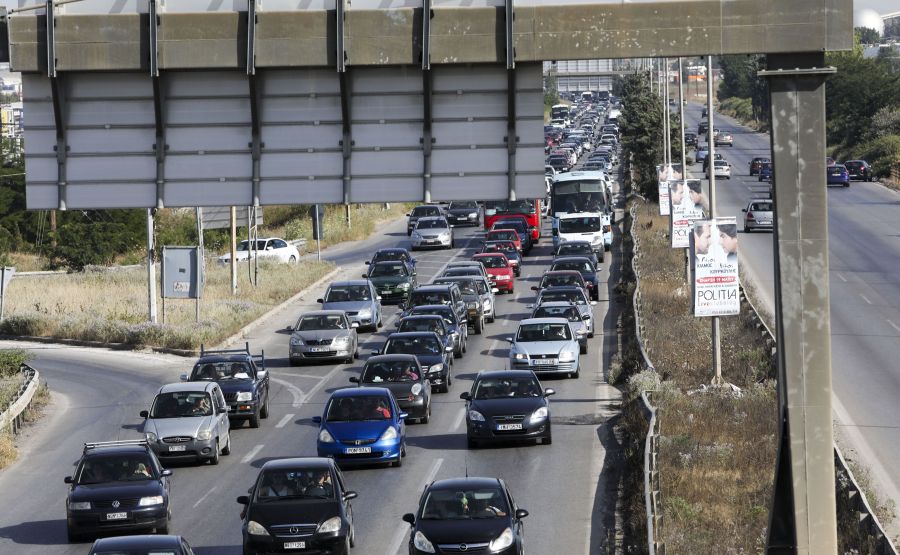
x=803, y=517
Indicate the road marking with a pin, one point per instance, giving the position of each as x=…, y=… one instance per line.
x=284, y=420
x=459, y=420
x=313, y=376
x=865, y=298
x=402, y=531
x=842, y=277
x=205, y=495
x=893, y=325
x=252, y=453
x=295, y=391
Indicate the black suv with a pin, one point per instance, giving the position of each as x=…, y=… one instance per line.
x=117, y=486
x=859, y=169
x=242, y=377
x=446, y=294
x=298, y=505
x=476, y=515
x=422, y=211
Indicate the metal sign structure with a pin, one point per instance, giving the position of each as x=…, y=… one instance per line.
x=217, y=217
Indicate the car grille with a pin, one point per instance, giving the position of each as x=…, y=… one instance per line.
x=183, y=439
x=544, y=356
x=123, y=504
x=430, y=237
x=469, y=548
x=319, y=342
x=231, y=397
x=293, y=530
x=349, y=313
x=510, y=419
x=321, y=354
x=359, y=442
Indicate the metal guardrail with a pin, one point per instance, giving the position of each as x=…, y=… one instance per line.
x=12, y=417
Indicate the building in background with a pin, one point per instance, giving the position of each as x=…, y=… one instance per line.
x=891, y=25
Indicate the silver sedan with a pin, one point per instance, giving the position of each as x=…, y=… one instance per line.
x=432, y=232
x=323, y=335
x=546, y=346
x=358, y=299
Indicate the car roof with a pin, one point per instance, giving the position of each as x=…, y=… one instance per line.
x=465, y=483
x=298, y=462
x=430, y=218
x=560, y=272
x=392, y=249
x=323, y=313
x=562, y=289
x=186, y=386
x=571, y=259
x=152, y=541
x=552, y=304
x=361, y=392
x=444, y=307
x=463, y=263
x=432, y=287
x=488, y=255
x=505, y=374
x=349, y=282
x=405, y=334
x=576, y=215
x=234, y=357
x=117, y=450
x=422, y=316
x=579, y=243
x=543, y=321
x=392, y=357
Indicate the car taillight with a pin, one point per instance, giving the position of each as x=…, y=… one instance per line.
x=750, y=216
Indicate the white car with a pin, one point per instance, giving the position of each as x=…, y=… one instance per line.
x=433, y=231
x=722, y=169
x=271, y=248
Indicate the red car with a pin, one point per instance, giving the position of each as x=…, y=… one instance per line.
x=504, y=235
x=500, y=272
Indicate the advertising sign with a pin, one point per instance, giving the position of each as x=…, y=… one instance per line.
x=714, y=259
x=664, y=207
x=688, y=203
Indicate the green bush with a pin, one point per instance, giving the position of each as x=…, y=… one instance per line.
x=11, y=360
x=22, y=325
x=738, y=108
x=881, y=153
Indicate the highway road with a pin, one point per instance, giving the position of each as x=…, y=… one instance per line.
x=864, y=252
x=569, y=487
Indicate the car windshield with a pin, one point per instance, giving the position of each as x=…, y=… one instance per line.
x=390, y=371
x=466, y=286
x=572, y=296
x=246, y=245
x=445, y=313
x=425, y=211
x=560, y=280
x=517, y=225
x=503, y=235
x=116, y=468
x=543, y=332
x=461, y=271
x=450, y=504
x=299, y=483
x=570, y=313
x=761, y=207
x=178, y=404
x=347, y=293
x=464, y=205
x=387, y=269
x=577, y=265
x=322, y=322
x=417, y=345
x=494, y=261
x=422, y=324
x=216, y=371
x=358, y=408
x=136, y=551
x=505, y=388
x=429, y=297
x=502, y=246
x=574, y=248
x=580, y=225
x=389, y=255
x=431, y=224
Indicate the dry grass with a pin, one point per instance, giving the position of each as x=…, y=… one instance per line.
x=26, y=262
x=111, y=306
x=364, y=220
x=8, y=453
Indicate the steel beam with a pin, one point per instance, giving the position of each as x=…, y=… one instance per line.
x=58, y=101
x=511, y=138
x=255, y=127
x=803, y=519
x=426, y=35
x=159, y=116
x=427, y=137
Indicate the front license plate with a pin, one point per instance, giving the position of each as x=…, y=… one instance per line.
x=173, y=448
x=295, y=545
x=116, y=516
x=544, y=362
x=319, y=349
x=357, y=450
x=503, y=427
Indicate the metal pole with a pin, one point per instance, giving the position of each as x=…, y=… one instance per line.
x=151, y=268
x=200, y=253
x=233, y=250
x=716, y=338
x=681, y=117
x=2, y=290
x=318, y=225
x=668, y=141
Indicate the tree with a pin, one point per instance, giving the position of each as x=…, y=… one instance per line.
x=867, y=35
x=551, y=93
x=738, y=76
x=641, y=124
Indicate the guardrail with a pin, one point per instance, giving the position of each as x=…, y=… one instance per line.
x=852, y=499
x=12, y=417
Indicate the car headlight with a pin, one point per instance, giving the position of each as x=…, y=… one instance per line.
x=152, y=500
x=566, y=356
x=79, y=505
x=365, y=313
x=596, y=239
x=150, y=437
x=325, y=436
x=296, y=340
x=244, y=396
x=416, y=236
x=486, y=304
x=445, y=235
x=501, y=542
x=421, y=543
x=539, y=415
x=473, y=305
x=341, y=340
x=404, y=285
x=473, y=214
x=436, y=368
x=256, y=529
x=389, y=434
x=476, y=416
x=520, y=356
x=333, y=524
x=416, y=389
x=204, y=435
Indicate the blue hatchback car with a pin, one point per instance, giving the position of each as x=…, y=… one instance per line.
x=837, y=174
x=362, y=425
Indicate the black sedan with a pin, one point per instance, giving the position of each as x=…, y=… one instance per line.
x=583, y=265
x=507, y=405
x=579, y=248
x=433, y=354
x=463, y=212
x=142, y=545
x=406, y=380
x=298, y=505
x=475, y=515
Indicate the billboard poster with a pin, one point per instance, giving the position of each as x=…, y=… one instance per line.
x=668, y=172
x=687, y=203
x=664, y=207
x=714, y=260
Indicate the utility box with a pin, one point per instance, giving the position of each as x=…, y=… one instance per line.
x=182, y=273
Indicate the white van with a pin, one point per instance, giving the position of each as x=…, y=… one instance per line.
x=582, y=226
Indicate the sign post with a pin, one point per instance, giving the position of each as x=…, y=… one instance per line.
x=7, y=273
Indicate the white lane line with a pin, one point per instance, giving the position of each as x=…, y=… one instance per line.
x=893, y=325
x=252, y=453
x=295, y=391
x=205, y=495
x=402, y=531
x=313, y=376
x=459, y=420
x=284, y=420
x=865, y=298
x=842, y=277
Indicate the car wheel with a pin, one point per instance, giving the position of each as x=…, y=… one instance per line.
x=254, y=420
x=492, y=318
x=73, y=536
x=292, y=259
x=227, y=450
x=399, y=462
x=293, y=361
x=847, y=184
x=479, y=325
x=264, y=412
x=427, y=417
x=356, y=352
x=583, y=348
x=214, y=460
x=547, y=440
x=746, y=229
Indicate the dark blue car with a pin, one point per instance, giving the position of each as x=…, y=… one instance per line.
x=766, y=173
x=837, y=174
x=362, y=426
x=133, y=545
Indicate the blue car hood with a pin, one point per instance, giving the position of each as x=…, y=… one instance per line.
x=235, y=386
x=360, y=429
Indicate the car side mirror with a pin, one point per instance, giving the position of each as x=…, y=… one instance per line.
x=365, y=276
x=289, y=328
x=410, y=518
x=401, y=306
x=261, y=373
x=184, y=377
x=465, y=396
x=494, y=290
x=348, y=495
x=534, y=288
x=320, y=301
x=593, y=303
x=521, y=513
x=548, y=392
x=354, y=379
x=317, y=419
x=743, y=210
x=354, y=325
x=245, y=500
x=509, y=339
x=68, y=479
x=366, y=262
x=144, y=414
x=407, y=215
x=448, y=349
x=555, y=231
x=587, y=316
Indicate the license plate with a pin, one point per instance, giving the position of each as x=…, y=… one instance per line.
x=295, y=545
x=503, y=427
x=319, y=349
x=544, y=362
x=116, y=516
x=177, y=448
x=357, y=450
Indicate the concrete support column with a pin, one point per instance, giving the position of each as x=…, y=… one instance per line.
x=803, y=517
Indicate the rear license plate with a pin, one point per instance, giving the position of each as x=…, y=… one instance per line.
x=357, y=450
x=319, y=349
x=295, y=545
x=177, y=448
x=504, y=427
x=544, y=362
x=116, y=516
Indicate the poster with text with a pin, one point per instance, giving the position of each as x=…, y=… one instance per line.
x=664, y=207
x=714, y=259
x=687, y=203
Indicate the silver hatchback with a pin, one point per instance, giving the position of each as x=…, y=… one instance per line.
x=758, y=215
x=323, y=335
x=358, y=299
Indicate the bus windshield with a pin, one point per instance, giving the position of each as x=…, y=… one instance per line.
x=525, y=207
x=570, y=197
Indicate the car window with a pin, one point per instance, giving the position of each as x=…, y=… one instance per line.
x=279, y=244
x=389, y=255
x=497, y=388
x=580, y=225
x=761, y=207
x=358, y=408
x=472, y=205
x=425, y=211
x=177, y=404
x=570, y=313
x=560, y=280
x=429, y=297
x=246, y=245
x=390, y=371
x=543, y=332
x=321, y=322
x=102, y=469
x=432, y=224
x=578, y=266
x=446, y=313
x=461, y=271
x=422, y=324
x=348, y=293
x=388, y=269
x=223, y=370
x=300, y=483
x=493, y=262
x=418, y=345
x=443, y=504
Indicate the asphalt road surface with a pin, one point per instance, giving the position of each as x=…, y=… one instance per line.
x=864, y=253
x=569, y=487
